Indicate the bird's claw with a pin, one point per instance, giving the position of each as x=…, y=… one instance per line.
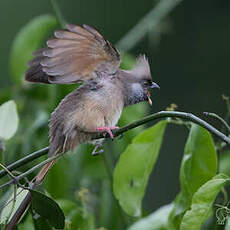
x=107, y=130
x=95, y=153
x=97, y=146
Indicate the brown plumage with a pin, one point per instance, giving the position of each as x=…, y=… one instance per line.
x=74, y=55
x=82, y=54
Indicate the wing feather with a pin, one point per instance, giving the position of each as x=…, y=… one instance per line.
x=74, y=55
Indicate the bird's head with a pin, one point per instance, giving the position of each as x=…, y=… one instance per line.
x=140, y=82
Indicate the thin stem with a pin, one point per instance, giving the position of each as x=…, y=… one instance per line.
x=6, y=184
x=7, y=171
x=182, y=115
x=225, y=196
x=15, y=190
x=58, y=13
x=152, y=117
x=35, y=167
x=224, y=123
x=159, y=115
x=17, y=215
x=13, y=204
x=227, y=101
x=24, y=160
x=149, y=21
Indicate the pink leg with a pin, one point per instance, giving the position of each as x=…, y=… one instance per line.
x=107, y=130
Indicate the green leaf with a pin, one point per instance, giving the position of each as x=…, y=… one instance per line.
x=227, y=225
x=155, y=221
x=7, y=211
x=41, y=223
x=28, y=39
x=48, y=209
x=224, y=163
x=67, y=206
x=27, y=224
x=130, y=114
x=8, y=120
x=202, y=201
x=199, y=165
x=134, y=167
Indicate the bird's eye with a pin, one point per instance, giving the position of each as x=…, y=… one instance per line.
x=146, y=83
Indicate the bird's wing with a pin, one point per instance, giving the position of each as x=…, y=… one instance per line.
x=74, y=55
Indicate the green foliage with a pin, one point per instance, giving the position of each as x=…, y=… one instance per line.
x=28, y=39
x=202, y=201
x=199, y=164
x=41, y=223
x=12, y=204
x=8, y=120
x=85, y=187
x=134, y=167
x=155, y=221
x=224, y=163
x=48, y=209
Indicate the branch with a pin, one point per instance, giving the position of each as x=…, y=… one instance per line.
x=155, y=116
x=25, y=174
x=152, y=19
x=182, y=115
x=159, y=115
x=24, y=160
x=224, y=123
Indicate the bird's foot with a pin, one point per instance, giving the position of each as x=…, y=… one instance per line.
x=107, y=130
x=97, y=146
x=95, y=152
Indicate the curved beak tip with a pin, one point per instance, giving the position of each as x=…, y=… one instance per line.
x=155, y=85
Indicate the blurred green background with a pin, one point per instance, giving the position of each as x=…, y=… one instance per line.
x=189, y=53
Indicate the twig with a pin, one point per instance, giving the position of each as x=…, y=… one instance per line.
x=182, y=115
x=24, y=160
x=152, y=19
x=17, y=215
x=18, y=178
x=58, y=13
x=15, y=191
x=159, y=115
x=155, y=116
x=6, y=184
x=224, y=123
x=13, y=204
x=7, y=171
x=227, y=101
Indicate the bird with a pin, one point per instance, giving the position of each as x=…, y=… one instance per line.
x=80, y=54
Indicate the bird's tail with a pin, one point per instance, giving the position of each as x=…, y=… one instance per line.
x=43, y=172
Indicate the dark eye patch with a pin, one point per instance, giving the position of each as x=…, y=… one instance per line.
x=147, y=82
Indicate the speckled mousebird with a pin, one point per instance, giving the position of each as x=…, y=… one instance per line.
x=82, y=54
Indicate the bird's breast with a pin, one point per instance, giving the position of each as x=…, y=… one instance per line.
x=115, y=104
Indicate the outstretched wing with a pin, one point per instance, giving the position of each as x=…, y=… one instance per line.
x=74, y=55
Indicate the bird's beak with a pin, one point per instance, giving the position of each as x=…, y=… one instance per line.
x=154, y=85
x=149, y=99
